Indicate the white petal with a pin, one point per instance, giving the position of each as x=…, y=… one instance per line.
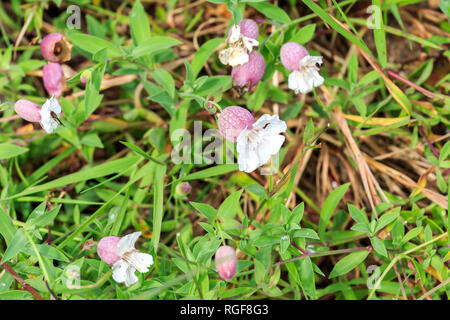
x=126, y=243
x=238, y=56
x=124, y=272
x=131, y=276
x=256, y=146
x=47, y=122
x=140, y=261
x=308, y=77
x=249, y=43
x=268, y=147
x=235, y=34
x=224, y=56
x=270, y=124
x=247, y=156
x=120, y=269
x=54, y=105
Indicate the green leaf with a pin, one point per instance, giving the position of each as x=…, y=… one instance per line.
x=305, y=233
x=260, y=272
x=139, y=24
x=336, y=26
x=307, y=277
x=211, y=172
x=9, y=150
x=411, y=234
x=380, y=36
x=358, y=215
x=203, y=54
x=93, y=140
x=445, y=6
x=330, y=205
x=230, y=205
x=305, y=34
x=7, y=229
x=385, y=219
x=40, y=218
x=158, y=204
x=93, y=44
x=297, y=214
x=140, y=152
x=271, y=12
x=18, y=243
x=348, y=263
x=119, y=165
x=206, y=210
x=153, y=45
x=165, y=79
x=378, y=246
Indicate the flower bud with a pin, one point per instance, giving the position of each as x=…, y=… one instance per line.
x=182, y=189
x=53, y=77
x=55, y=48
x=107, y=249
x=226, y=262
x=248, y=28
x=291, y=54
x=85, y=76
x=232, y=120
x=27, y=110
x=246, y=76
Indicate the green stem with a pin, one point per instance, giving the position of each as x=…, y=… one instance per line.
x=41, y=262
x=397, y=258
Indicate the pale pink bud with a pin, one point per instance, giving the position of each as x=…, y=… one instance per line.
x=53, y=77
x=107, y=249
x=291, y=54
x=248, y=28
x=249, y=74
x=182, y=189
x=28, y=110
x=186, y=187
x=55, y=48
x=232, y=120
x=226, y=262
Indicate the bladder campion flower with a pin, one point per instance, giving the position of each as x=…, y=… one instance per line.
x=241, y=40
x=246, y=76
x=124, y=258
x=305, y=72
x=256, y=141
x=47, y=115
x=56, y=48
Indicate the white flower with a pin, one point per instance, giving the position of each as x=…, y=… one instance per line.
x=240, y=47
x=130, y=260
x=257, y=145
x=308, y=77
x=50, y=112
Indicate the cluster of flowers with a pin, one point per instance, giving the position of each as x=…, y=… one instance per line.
x=55, y=49
x=121, y=254
x=258, y=141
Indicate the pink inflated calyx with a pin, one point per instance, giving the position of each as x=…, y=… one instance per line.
x=53, y=77
x=248, y=28
x=55, y=48
x=107, y=249
x=226, y=262
x=291, y=54
x=28, y=110
x=246, y=76
x=233, y=120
